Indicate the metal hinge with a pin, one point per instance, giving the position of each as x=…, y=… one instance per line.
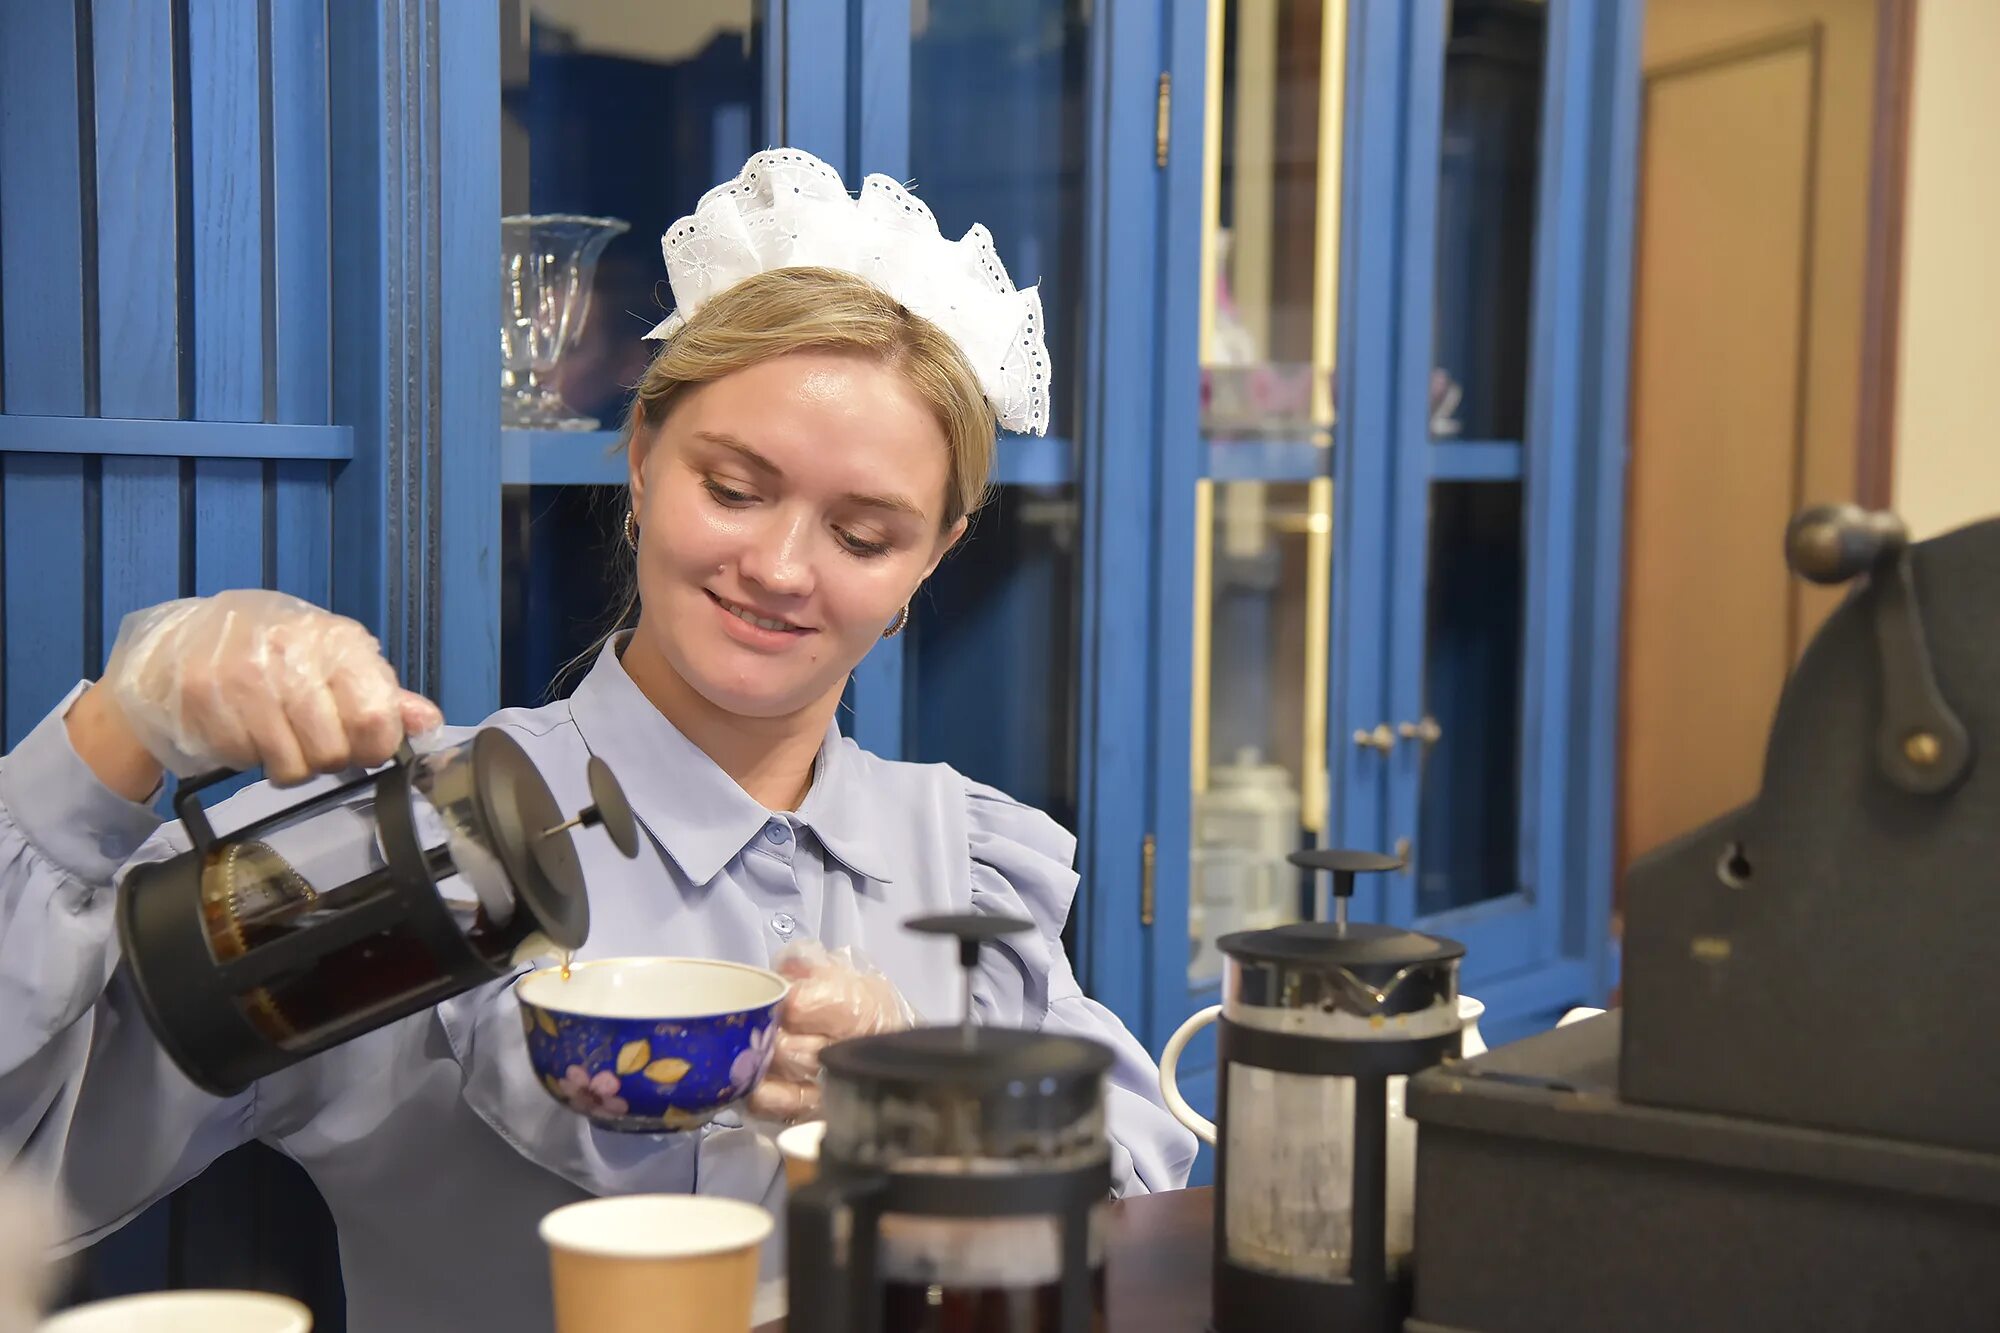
x=1149, y=856
x=1163, y=117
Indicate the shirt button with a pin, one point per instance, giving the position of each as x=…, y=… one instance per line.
x=776, y=832
x=784, y=925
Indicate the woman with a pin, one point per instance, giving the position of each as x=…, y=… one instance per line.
x=803, y=451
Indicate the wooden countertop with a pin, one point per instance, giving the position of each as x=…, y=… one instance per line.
x=1157, y=1269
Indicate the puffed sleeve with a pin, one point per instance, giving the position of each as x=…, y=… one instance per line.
x=1022, y=867
x=88, y=1101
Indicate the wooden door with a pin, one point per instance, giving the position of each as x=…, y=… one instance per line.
x=1717, y=433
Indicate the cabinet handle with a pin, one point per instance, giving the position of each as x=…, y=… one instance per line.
x=1381, y=738
x=1428, y=731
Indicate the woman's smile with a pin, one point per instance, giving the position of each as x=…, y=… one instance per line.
x=756, y=628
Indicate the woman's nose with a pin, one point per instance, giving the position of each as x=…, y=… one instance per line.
x=780, y=557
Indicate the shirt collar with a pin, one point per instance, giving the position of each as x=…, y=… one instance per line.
x=691, y=807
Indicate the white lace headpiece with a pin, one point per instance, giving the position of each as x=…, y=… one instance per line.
x=788, y=209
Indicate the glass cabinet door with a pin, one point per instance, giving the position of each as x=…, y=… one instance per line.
x=997, y=116
x=631, y=115
x=1262, y=512
x=1263, y=553
x=1466, y=681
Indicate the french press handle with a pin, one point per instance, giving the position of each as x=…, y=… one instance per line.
x=194, y=817
x=832, y=1279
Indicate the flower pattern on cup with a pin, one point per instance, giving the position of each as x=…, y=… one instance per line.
x=751, y=1062
x=644, y=1075
x=593, y=1094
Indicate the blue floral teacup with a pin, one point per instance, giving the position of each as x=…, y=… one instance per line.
x=650, y=1045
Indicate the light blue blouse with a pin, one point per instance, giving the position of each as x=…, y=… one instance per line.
x=434, y=1147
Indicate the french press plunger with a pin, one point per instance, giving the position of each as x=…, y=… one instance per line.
x=361, y=904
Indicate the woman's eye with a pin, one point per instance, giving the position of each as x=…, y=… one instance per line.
x=861, y=545
x=728, y=495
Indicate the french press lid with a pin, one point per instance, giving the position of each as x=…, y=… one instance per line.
x=996, y=1092
x=1357, y=966
x=521, y=819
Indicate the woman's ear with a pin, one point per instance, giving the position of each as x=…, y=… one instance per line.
x=946, y=541
x=637, y=450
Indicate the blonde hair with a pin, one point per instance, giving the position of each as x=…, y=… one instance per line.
x=811, y=310
x=825, y=310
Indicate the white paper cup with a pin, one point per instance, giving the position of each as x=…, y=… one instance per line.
x=800, y=1145
x=643, y=1262
x=185, y=1312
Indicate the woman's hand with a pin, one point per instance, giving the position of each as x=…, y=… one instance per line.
x=831, y=1000
x=240, y=680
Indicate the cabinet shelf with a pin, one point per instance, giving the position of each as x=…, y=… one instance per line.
x=1265, y=460
x=561, y=458
x=593, y=458
x=1476, y=460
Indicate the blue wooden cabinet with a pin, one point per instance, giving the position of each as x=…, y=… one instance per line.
x=1395, y=304
x=1323, y=547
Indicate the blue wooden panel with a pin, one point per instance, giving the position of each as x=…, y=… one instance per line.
x=141, y=500
x=139, y=326
x=43, y=355
x=465, y=627
x=1180, y=462
x=300, y=220
x=876, y=36
x=137, y=255
x=225, y=132
x=815, y=80
x=301, y=499
x=172, y=439
x=1408, y=612
x=1120, y=490
x=1606, y=337
x=1371, y=398
x=1552, y=446
x=882, y=59
x=356, y=95
x=225, y=129
x=45, y=521
x=42, y=256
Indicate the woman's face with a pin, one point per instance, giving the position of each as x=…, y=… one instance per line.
x=786, y=513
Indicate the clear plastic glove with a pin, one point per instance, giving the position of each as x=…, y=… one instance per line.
x=834, y=996
x=251, y=678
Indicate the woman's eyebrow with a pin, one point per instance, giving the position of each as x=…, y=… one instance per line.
x=897, y=504
x=736, y=446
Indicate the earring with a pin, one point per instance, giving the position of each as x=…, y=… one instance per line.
x=897, y=625
x=632, y=528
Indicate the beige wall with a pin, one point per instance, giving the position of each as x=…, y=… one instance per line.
x=1948, y=377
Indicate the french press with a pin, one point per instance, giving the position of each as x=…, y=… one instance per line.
x=964, y=1179
x=361, y=904
x=1315, y=1019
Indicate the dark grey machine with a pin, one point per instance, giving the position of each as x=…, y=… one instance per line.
x=1794, y=1123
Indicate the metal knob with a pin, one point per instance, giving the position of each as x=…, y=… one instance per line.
x=1834, y=543
x=1381, y=738
x=1428, y=731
